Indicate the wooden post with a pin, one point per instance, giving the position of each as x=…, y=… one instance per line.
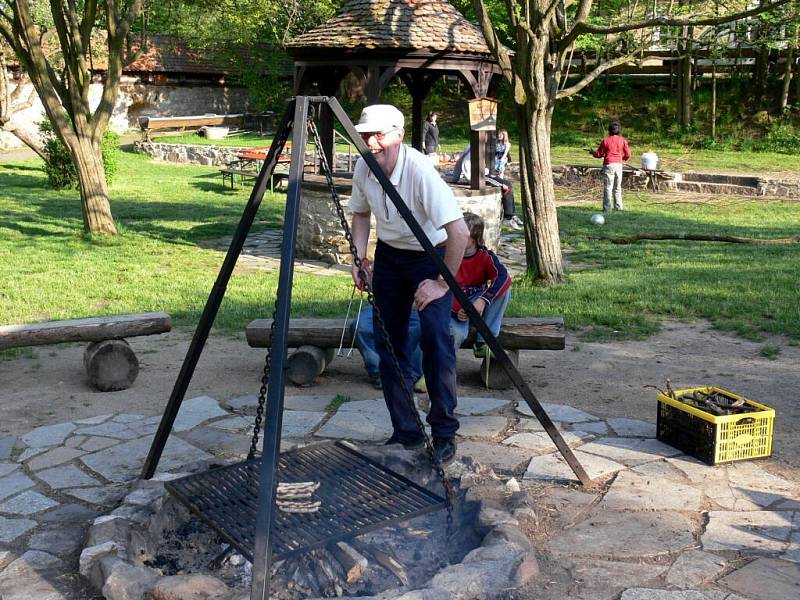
x=477, y=143
x=111, y=365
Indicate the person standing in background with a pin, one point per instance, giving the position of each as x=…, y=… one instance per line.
x=614, y=151
x=430, y=138
x=502, y=152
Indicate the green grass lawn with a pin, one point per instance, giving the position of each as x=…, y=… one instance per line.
x=50, y=270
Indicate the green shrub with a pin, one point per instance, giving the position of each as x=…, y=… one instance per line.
x=59, y=168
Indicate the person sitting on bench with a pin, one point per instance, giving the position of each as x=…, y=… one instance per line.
x=485, y=281
x=461, y=174
x=364, y=338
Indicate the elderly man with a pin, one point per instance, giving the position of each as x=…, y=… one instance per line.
x=403, y=274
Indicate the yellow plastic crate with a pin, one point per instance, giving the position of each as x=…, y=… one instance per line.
x=712, y=438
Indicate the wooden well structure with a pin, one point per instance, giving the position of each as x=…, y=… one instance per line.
x=418, y=41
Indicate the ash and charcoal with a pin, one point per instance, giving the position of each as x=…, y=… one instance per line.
x=407, y=554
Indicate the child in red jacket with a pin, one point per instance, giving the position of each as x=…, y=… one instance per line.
x=485, y=281
x=614, y=151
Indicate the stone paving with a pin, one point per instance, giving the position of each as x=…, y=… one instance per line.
x=663, y=525
x=262, y=251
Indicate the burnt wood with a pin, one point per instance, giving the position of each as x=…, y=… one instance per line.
x=526, y=333
x=94, y=329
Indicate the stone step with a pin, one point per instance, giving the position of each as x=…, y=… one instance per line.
x=743, y=180
x=715, y=188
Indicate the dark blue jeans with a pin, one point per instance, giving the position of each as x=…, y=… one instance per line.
x=396, y=275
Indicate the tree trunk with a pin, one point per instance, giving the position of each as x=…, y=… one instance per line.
x=714, y=99
x=542, y=241
x=685, y=97
x=787, y=79
x=88, y=160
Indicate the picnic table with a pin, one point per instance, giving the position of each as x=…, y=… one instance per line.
x=248, y=163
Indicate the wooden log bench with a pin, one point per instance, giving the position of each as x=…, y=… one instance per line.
x=109, y=361
x=316, y=341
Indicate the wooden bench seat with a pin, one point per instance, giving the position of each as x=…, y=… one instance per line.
x=315, y=340
x=110, y=362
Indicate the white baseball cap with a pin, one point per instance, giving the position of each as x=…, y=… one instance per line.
x=380, y=117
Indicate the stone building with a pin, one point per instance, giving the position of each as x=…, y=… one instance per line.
x=169, y=79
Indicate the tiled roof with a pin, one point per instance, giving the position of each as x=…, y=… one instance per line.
x=167, y=54
x=433, y=25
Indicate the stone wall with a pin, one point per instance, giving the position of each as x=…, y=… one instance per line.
x=320, y=234
x=210, y=156
x=137, y=99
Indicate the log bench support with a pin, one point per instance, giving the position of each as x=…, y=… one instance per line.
x=316, y=341
x=110, y=363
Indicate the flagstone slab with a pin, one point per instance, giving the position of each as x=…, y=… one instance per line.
x=539, y=442
x=124, y=461
x=376, y=407
x=625, y=536
x=469, y=405
x=355, y=425
x=195, y=411
x=74, y=441
x=533, y=425
x=299, y=423
x=757, y=532
x=596, y=427
x=94, y=420
x=105, y=496
x=127, y=418
x=220, y=443
x=243, y=402
x=66, y=476
x=312, y=403
x=633, y=491
x=751, y=476
x=51, y=458
x=552, y=467
x=11, y=529
x=93, y=444
x=235, y=423
x=6, y=468
x=27, y=503
x=632, y=427
x=661, y=469
x=600, y=579
x=630, y=451
x=655, y=594
x=500, y=458
x=62, y=541
x=729, y=497
x=29, y=453
x=69, y=514
x=766, y=579
x=112, y=429
x=30, y=577
x=7, y=446
x=559, y=412
x=694, y=568
x=48, y=435
x=481, y=427
x=13, y=483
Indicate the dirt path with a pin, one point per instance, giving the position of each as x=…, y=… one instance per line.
x=606, y=379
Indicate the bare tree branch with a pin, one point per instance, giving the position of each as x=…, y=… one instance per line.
x=581, y=26
x=597, y=71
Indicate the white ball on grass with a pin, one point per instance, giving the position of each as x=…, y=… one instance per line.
x=598, y=219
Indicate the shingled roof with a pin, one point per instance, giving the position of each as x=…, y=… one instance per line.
x=433, y=25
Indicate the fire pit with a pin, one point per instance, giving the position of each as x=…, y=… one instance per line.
x=154, y=546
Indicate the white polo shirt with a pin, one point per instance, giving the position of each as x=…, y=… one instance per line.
x=429, y=198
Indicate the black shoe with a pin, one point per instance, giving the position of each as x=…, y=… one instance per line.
x=375, y=380
x=408, y=443
x=444, y=449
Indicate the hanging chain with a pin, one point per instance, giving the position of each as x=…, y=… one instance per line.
x=365, y=284
x=262, y=392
